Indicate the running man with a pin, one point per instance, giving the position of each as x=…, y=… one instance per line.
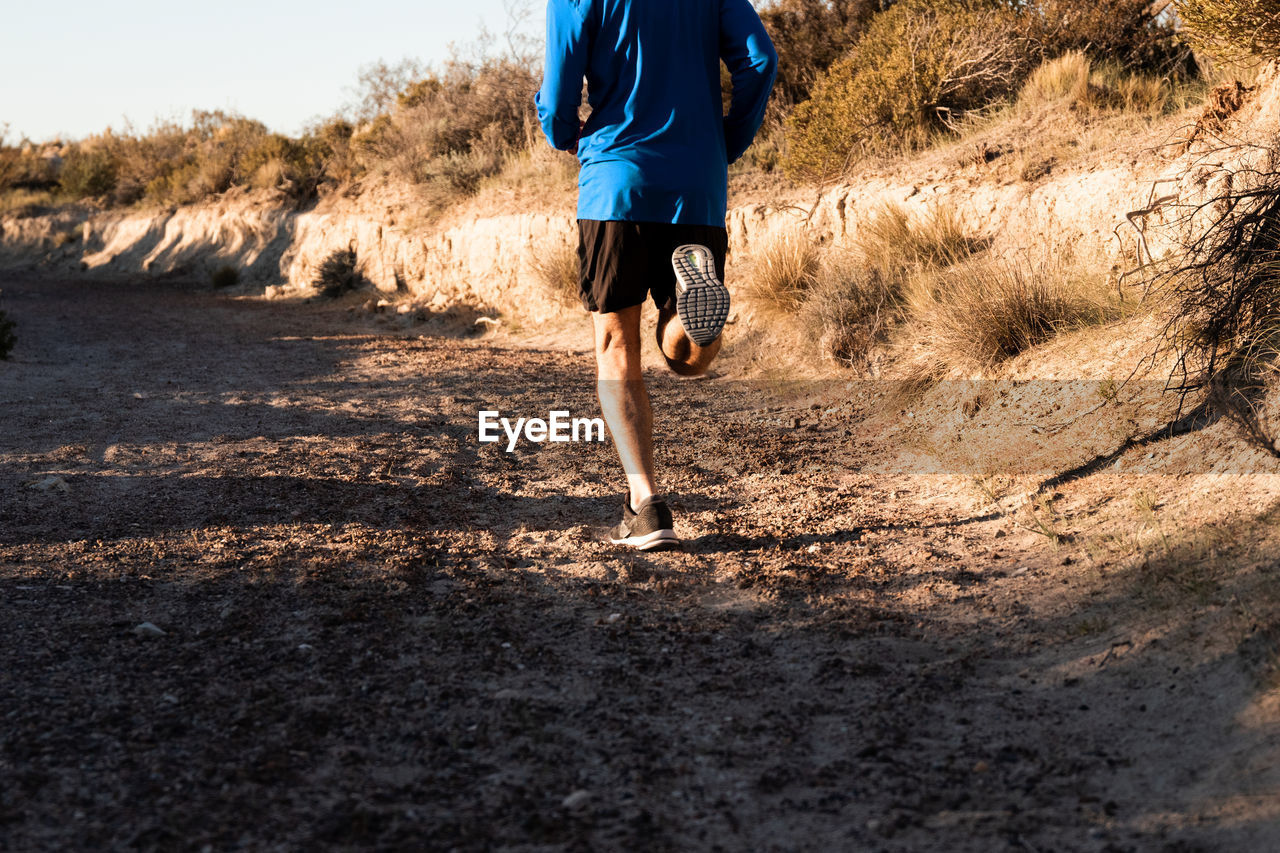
x=652, y=193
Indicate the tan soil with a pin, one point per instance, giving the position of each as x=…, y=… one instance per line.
x=382, y=635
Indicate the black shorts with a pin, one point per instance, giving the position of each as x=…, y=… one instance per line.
x=622, y=262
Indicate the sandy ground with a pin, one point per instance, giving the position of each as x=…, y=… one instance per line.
x=379, y=634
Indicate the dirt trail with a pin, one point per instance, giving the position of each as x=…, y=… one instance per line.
x=380, y=634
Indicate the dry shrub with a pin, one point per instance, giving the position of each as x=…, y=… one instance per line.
x=557, y=271
x=538, y=170
x=452, y=130
x=1137, y=35
x=338, y=275
x=850, y=306
x=983, y=312
x=88, y=171
x=918, y=69
x=1063, y=78
x=1222, y=103
x=1238, y=30
x=784, y=271
x=859, y=292
x=1221, y=292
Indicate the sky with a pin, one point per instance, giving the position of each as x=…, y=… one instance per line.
x=73, y=68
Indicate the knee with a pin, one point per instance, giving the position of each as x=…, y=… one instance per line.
x=611, y=343
x=617, y=351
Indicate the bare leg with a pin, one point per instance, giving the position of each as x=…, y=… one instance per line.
x=683, y=355
x=624, y=398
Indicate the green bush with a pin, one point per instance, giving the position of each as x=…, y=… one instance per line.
x=919, y=67
x=1233, y=29
x=87, y=173
x=7, y=338
x=810, y=35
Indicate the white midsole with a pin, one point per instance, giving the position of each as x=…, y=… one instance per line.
x=649, y=540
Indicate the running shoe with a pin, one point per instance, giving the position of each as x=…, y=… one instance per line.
x=648, y=528
x=702, y=301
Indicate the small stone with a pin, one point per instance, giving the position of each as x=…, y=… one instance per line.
x=404, y=309
x=146, y=629
x=51, y=483
x=305, y=647
x=981, y=767
x=576, y=800
x=613, y=617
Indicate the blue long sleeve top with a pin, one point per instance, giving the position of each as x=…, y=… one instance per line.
x=657, y=145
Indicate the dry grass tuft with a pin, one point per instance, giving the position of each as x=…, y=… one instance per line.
x=23, y=202
x=850, y=297
x=1066, y=77
x=1074, y=81
x=784, y=272
x=979, y=314
x=893, y=244
x=558, y=272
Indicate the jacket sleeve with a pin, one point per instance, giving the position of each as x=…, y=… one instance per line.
x=753, y=64
x=568, y=48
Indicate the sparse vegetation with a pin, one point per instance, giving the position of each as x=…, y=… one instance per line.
x=1222, y=291
x=557, y=271
x=894, y=244
x=927, y=286
x=850, y=306
x=978, y=314
x=785, y=271
x=450, y=130
x=338, y=274
x=858, y=293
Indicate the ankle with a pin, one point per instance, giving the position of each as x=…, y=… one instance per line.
x=634, y=499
